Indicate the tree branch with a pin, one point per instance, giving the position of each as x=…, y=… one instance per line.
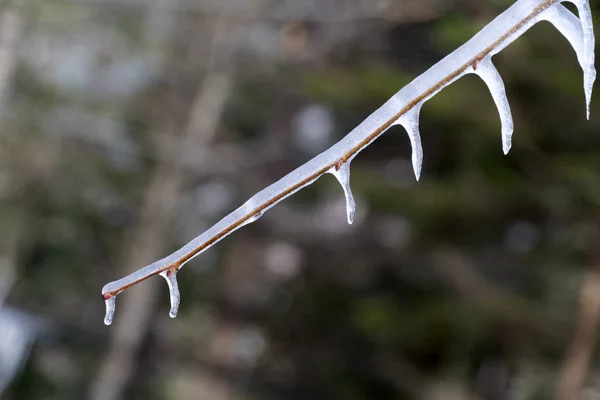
x=403, y=109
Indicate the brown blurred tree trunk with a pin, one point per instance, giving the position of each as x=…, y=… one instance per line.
x=581, y=348
x=160, y=201
x=11, y=23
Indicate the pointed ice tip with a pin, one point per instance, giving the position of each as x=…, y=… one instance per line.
x=589, y=85
x=417, y=157
x=417, y=169
x=506, y=147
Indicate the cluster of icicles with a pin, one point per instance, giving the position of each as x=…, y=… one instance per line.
x=336, y=160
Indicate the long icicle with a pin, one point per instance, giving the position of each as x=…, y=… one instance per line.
x=342, y=174
x=589, y=70
x=572, y=29
x=490, y=75
x=410, y=122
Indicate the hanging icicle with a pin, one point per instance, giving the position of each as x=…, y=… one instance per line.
x=589, y=71
x=490, y=75
x=410, y=122
x=575, y=30
x=342, y=174
x=170, y=276
x=111, y=303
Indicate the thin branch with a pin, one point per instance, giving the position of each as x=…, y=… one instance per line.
x=403, y=109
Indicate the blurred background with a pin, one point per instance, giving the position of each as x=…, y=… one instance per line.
x=130, y=126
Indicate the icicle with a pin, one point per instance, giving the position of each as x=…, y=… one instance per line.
x=580, y=34
x=111, y=303
x=490, y=75
x=175, y=297
x=410, y=122
x=342, y=174
x=589, y=71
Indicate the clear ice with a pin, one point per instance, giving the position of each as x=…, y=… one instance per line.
x=174, y=295
x=343, y=176
x=580, y=34
x=410, y=122
x=589, y=71
x=490, y=75
x=255, y=217
x=110, y=310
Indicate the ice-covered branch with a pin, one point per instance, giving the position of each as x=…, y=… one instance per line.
x=403, y=108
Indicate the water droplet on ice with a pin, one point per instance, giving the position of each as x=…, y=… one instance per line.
x=255, y=217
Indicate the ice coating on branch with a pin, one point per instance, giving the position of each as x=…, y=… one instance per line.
x=490, y=75
x=410, y=122
x=492, y=39
x=111, y=304
x=174, y=296
x=342, y=174
x=580, y=34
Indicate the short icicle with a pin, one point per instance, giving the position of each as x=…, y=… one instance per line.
x=111, y=304
x=171, y=278
x=410, y=122
x=490, y=75
x=578, y=33
x=342, y=174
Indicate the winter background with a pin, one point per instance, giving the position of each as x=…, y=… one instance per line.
x=130, y=126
